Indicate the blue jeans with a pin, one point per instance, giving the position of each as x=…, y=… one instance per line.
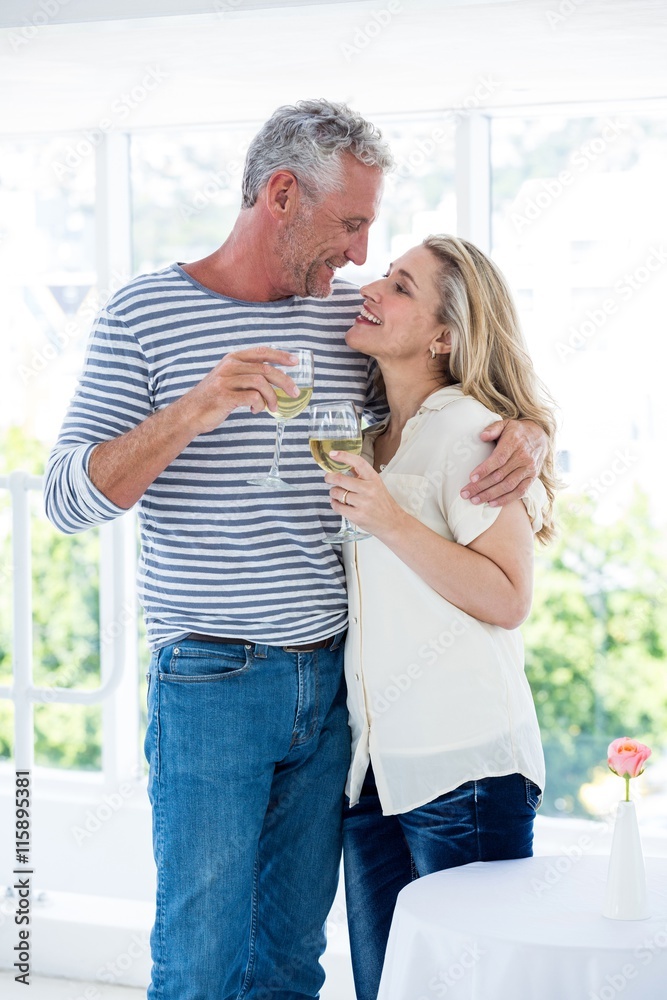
x=486, y=820
x=248, y=747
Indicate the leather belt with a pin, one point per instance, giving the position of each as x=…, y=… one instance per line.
x=308, y=647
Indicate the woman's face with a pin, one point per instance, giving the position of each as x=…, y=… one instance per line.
x=398, y=319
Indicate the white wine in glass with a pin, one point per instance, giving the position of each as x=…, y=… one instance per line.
x=335, y=427
x=290, y=406
x=287, y=407
x=321, y=452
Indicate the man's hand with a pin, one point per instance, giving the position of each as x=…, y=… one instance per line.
x=124, y=467
x=243, y=378
x=517, y=459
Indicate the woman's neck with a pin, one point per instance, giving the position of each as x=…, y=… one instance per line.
x=405, y=395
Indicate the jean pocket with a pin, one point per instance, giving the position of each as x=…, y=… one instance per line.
x=533, y=794
x=202, y=662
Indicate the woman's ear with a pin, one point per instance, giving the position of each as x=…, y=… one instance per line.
x=442, y=344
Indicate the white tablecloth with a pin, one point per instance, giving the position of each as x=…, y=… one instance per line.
x=525, y=930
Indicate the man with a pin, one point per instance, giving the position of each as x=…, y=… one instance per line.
x=245, y=602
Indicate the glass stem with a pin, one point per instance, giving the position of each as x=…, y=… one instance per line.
x=275, y=470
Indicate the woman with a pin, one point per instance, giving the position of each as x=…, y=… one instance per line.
x=447, y=764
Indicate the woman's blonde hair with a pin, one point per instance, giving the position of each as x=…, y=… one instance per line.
x=489, y=357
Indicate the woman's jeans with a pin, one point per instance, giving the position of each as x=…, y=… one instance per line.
x=486, y=820
x=248, y=747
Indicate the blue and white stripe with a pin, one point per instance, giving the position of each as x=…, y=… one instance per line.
x=218, y=556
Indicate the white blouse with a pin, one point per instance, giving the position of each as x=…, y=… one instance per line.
x=436, y=697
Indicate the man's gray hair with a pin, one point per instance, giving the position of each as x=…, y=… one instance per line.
x=309, y=140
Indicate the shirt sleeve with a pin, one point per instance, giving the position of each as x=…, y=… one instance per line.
x=535, y=501
x=113, y=396
x=464, y=420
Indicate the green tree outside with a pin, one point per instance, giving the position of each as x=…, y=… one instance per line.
x=65, y=623
x=596, y=643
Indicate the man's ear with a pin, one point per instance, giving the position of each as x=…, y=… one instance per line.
x=281, y=194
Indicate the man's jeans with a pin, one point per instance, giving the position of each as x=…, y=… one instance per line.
x=487, y=820
x=248, y=748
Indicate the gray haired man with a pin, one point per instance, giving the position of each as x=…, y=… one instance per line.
x=245, y=603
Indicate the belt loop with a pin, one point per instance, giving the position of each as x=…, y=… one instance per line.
x=338, y=639
x=261, y=651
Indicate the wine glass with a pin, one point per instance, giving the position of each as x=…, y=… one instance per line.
x=288, y=407
x=335, y=427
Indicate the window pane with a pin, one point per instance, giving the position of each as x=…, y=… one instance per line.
x=186, y=192
x=47, y=277
x=579, y=217
x=48, y=289
x=419, y=196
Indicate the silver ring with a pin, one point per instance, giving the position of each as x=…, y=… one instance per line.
x=344, y=500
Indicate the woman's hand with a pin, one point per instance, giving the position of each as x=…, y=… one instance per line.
x=363, y=498
x=490, y=579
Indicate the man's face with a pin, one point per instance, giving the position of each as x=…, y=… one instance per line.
x=324, y=236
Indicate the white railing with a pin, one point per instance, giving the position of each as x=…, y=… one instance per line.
x=118, y=639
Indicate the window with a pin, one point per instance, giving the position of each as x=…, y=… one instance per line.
x=579, y=218
x=186, y=192
x=49, y=297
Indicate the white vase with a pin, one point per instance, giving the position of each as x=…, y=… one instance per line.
x=626, y=897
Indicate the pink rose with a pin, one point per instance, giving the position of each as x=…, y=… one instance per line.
x=627, y=757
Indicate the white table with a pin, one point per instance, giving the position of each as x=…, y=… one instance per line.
x=525, y=930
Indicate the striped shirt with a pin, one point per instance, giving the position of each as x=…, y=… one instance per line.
x=218, y=556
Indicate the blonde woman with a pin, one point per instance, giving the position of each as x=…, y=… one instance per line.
x=447, y=764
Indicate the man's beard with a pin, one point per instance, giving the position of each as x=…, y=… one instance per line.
x=294, y=246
